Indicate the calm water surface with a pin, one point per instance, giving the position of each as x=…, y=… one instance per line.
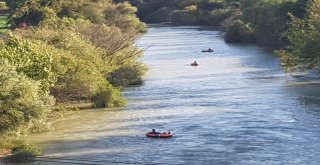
x=236, y=107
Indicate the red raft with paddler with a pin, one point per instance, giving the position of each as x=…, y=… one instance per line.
x=155, y=134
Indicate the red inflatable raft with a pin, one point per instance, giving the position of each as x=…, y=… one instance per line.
x=158, y=135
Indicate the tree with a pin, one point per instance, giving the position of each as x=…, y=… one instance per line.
x=187, y=16
x=31, y=59
x=123, y=16
x=29, y=13
x=304, y=38
x=21, y=100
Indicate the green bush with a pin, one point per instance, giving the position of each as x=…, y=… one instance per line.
x=187, y=16
x=24, y=153
x=304, y=37
x=123, y=16
x=239, y=32
x=33, y=149
x=30, y=13
x=80, y=54
x=126, y=76
x=214, y=17
x=32, y=59
x=8, y=142
x=108, y=97
x=160, y=15
x=22, y=101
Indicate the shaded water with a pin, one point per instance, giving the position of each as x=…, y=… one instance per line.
x=236, y=107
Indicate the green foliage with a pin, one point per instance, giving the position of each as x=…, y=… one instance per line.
x=24, y=153
x=95, y=51
x=269, y=21
x=32, y=59
x=116, y=47
x=160, y=15
x=35, y=150
x=183, y=12
x=187, y=16
x=127, y=76
x=8, y=142
x=122, y=16
x=108, y=96
x=3, y=23
x=146, y=9
x=81, y=47
x=68, y=49
x=245, y=20
x=260, y=21
x=215, y=17
x=304, y=37
x=239, y=32
x=21, y=100
x=30, y=13
x=90, y=10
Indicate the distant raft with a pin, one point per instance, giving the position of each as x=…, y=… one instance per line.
x=159, y=135
x=194, y=63
x=209, y=50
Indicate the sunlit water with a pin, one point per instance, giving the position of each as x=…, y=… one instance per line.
x=236, y=107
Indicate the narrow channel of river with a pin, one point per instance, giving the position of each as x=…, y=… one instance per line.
x=237, y=107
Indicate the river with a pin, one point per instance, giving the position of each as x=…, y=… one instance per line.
x=237, y=107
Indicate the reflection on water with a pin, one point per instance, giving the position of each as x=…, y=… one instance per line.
x=236, y=107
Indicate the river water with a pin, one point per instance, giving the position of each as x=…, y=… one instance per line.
x=237, y=107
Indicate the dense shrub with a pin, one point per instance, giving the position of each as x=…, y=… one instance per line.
x=7, y=142
x=31, y=59
x=21, y=100
x=122, y=16
x=108, y=96
x=33, y=149
x=304, y=37
x=126, y=76
x=160, y=15
x=239, y=32
x=214, y=17
x=187, y=16
x=30, y=13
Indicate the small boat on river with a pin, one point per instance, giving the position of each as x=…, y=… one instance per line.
x=194, y=63
x=159, y=135
x=209, y=50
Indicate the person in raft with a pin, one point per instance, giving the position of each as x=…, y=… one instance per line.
x=194, y=63
x=168, y=132
x=154, y=131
